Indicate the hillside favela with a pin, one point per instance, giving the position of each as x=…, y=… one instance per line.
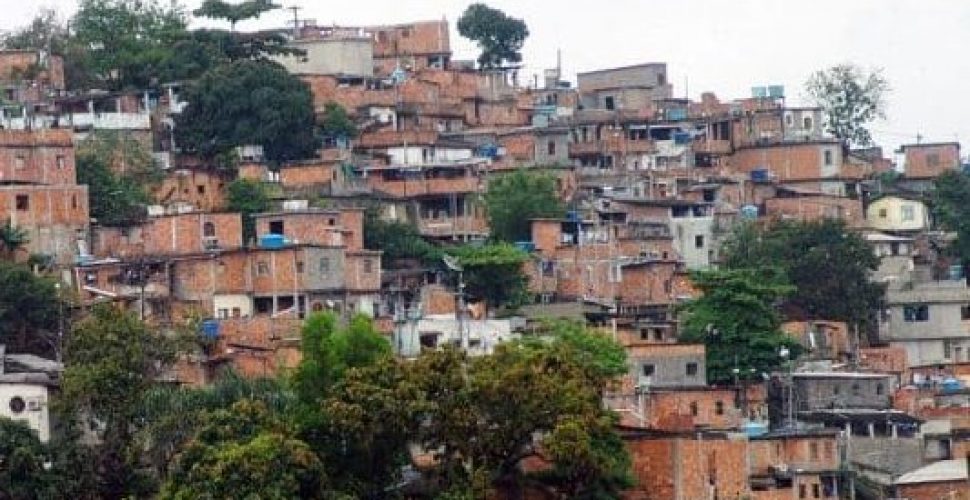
x=458, y=251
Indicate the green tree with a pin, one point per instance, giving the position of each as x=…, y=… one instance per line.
x=850, y=98
x=737, y=318
x=111, y=359
x=828, y=265
x=118, y=171
x=515, y=198
x=247, y=197
x=336, y=122
x=948, y=201
x=127, y=41
x=12, y=239
x=234, y=12
x=29, y=309
x=399, y=241
x=531, y=399
x=23, y=475
x=248, y=103
x=499, y=36
x=494, y=273
x=245, y=452
x=172, y=414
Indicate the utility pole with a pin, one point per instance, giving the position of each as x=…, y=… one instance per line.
x=296, y=19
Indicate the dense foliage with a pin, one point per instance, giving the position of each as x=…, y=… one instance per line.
x=828, y=265
x=851, y=99
x=336, y=122
x=248, y=103
x=737, y=319
x=952, y=212
x=29, y=310
x=513, y=199
x=499, y=36
x=112, y=358
x=494, y=273
x=119, y=171
x=247, y=197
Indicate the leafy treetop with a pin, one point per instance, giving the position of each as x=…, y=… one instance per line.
x=499, y=36
x=851, y=99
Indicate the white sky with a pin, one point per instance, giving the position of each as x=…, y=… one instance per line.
x=721, y=45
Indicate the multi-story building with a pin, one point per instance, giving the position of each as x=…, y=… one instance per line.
x=39, y=192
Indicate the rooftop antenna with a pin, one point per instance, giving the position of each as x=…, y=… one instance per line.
x=296, y=18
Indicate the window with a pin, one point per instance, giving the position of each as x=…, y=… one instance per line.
x=331, y=222
x=368, y=266
x=20, y=162
x=644, y=334
x=788, y=120
x=236, y=312
x=608, y=102
x=658, y=334
x=909, y=212
x=879, y=389
x=324, y=265
x=691, y=369
x=223, y=313
x=699, y=241
x=807, y=122
x=836, y=390
x=208, y=229
x=74, y=201
x=648, y=370
x=276, y=227
x=856, y=389
x=957, y=354
x=299, y=267
x=883, y=213
x=719, y=407
x=661, y=79
x=813, y=451
x=59, y=162
x=551, y=148
x=915, y=313
x=816, y=491
x=828, y=157
x=262, y=269
x=802, y=491
x=947, y=349
x=965, y=312
x=23, y=202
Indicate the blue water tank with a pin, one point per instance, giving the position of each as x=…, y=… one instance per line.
x=754, y=429
x=209, y=329
x=572, y=216
x=272, y=241
x=951, y=385
x=760, y=175
x=749, y=212
x=677, y=114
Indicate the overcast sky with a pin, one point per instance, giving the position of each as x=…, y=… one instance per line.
x=725, y=46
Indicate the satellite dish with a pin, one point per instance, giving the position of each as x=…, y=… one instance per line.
x=452, y=262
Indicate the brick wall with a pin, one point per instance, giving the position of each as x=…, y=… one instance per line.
x=39, y=156
x=814, y=208
x=809, y=453
x=170, y=235
x=940, y=490
x=791, y=161
x=55, y=217
x=687, y=468
x=930, y=160
x=201, y=189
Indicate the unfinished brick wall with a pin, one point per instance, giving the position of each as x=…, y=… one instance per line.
x=177, y=234
x=55, y=217
x=682, y=467
x=671, y=409
x=956, y=490
x=788, y=162
x=811, y=453
x=318, y=227
x=815, y=208
x=202, y=189
x=930, y=160
x=17, y=64
x=362, y=271
x=308, y=175
x=37, y=156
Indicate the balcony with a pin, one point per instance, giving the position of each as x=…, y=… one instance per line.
x=717, y=147
x=108, y=121
x=405, y=188
x=611, y=145
x=445, y=227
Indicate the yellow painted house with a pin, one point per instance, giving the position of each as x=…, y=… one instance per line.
x=894, y=213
